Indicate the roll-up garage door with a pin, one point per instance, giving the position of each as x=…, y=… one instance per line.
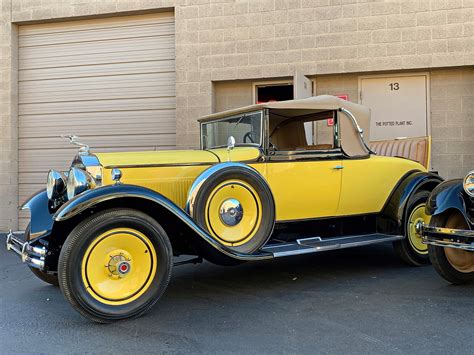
x=109, y=81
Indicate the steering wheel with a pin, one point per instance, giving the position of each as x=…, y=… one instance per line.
x=248, y=136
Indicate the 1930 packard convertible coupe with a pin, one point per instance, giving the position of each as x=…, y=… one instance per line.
x=270, y=180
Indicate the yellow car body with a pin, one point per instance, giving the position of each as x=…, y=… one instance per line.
x=362, y=186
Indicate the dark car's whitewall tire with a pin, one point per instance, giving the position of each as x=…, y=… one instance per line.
x=454, y=265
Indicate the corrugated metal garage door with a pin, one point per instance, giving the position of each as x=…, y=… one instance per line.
x=110, y=81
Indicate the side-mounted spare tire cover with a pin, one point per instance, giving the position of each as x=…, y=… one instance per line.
x=233, y=202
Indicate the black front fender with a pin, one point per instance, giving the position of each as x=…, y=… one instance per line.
x=391, y=219
x=94, y=197
x=450, y=196
x=41, y=213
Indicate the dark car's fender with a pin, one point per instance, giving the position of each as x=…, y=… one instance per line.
x=448, y=197
x=391, y=219
x=41, y=211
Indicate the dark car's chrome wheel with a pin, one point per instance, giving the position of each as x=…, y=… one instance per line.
x=454, y=265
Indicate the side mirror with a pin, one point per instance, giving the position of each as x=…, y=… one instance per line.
x=230, y=146
x=230, y=143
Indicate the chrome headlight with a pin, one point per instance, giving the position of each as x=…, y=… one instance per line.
x=55, y=185
x=468, y=184
x=78, y=181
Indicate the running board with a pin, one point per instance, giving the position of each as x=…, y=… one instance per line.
x=317, y=244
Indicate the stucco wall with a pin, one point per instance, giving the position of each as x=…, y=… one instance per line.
x=220, y=40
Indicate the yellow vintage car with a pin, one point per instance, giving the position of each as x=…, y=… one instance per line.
x=270, y=180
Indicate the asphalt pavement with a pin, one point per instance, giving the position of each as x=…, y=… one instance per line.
x=360, y=300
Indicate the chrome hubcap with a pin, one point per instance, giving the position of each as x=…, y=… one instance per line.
x=231, y=212
x=119, y=264
x=419, y=226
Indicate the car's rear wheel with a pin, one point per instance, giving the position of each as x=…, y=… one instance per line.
x=411, y=249
x=51, y=279
x=454, y=265
x=236, y=207
x=115, y=265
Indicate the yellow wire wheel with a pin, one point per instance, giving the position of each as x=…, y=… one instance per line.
x=233, y=212
x=417, y=217
x=119, y=266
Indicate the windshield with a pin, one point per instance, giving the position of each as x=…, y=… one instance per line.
x=245, y=128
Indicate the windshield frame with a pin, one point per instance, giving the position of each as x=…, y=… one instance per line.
x=262, y=130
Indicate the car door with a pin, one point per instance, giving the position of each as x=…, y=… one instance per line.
x=305, y=189
x=367, y=183
x=304, y=170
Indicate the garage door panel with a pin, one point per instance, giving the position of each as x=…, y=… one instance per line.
x=109, y=81
x=118, y=46
x=155, y=103
x=156, y=66
x=96, y=59
x=100, y=94
x=134, y=20
x=94, y=35
x=114, y=123
x=103, y=82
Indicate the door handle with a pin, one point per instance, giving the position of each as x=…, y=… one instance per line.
x=339, y=167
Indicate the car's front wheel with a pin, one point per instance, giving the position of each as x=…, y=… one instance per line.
x=411, y=249
x=115, y=265
x=454, y=265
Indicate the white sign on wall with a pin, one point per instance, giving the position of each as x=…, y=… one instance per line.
x=398, y=103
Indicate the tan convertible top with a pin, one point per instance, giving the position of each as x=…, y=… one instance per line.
x=349, y=136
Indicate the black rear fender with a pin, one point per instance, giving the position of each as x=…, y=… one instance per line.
x=391, y=219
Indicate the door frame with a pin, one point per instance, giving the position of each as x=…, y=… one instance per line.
x=394, y=75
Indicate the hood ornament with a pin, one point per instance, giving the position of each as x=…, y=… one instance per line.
x=84, y=148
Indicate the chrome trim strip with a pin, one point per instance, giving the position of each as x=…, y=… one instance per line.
x=447, y=232
x=299, y=247
x=168, y=165
x=438, y=236
x=448, y=244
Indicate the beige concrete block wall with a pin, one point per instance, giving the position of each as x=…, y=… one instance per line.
x=452, y=121
x=229, y=40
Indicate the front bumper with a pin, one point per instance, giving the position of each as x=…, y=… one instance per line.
x=448, y=237
x=32, y=255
